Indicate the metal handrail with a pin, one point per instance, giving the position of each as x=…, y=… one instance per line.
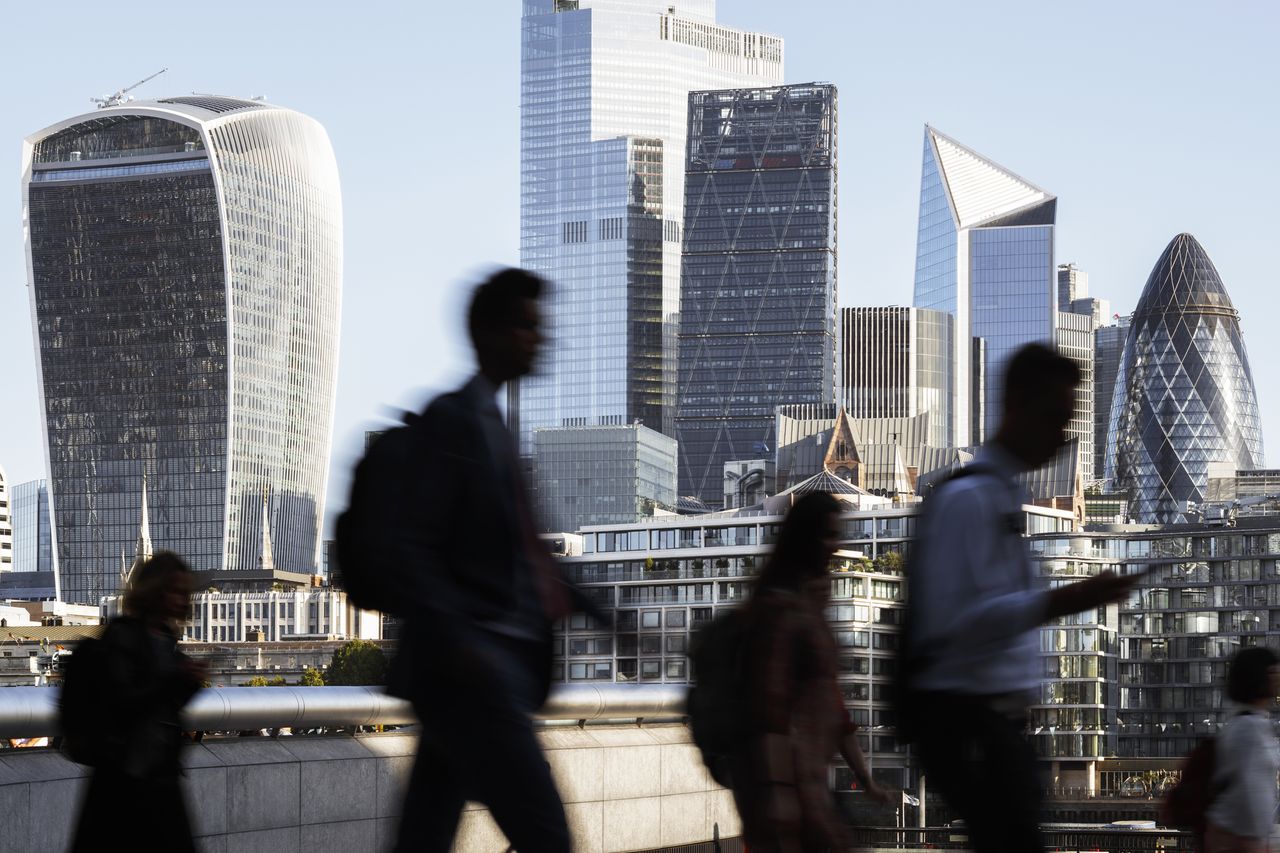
x=33, y=711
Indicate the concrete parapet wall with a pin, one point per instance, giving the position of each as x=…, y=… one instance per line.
x=625, y=788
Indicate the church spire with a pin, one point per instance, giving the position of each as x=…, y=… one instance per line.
x=143, y=550
x=268, y=560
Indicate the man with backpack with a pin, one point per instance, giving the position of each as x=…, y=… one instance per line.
x=479, y=594
x=971, y=647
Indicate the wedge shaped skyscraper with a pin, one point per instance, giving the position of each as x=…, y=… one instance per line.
x=984, y=254
x=1184, y=395
x=185, y=262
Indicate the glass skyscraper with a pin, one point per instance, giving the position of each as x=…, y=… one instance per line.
x=601, y=475
x=984, y=254
x=758, y=288
x=604, y=105
x=1108, y=345
x=186, y=271
x=32, y=529
x=1184, y=395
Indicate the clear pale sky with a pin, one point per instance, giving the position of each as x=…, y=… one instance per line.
x=1144, y=118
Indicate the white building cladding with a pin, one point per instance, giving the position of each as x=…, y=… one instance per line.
x=604, y=106
x=984, y=254
x=185, y=262
x=236, y=617
x=6, y=524
x=895, y=362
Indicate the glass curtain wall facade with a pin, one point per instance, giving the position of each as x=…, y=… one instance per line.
x=604, y=101
x=984, y=254
x=758, y=287
x=896, y=362
x=32, y=527
x=1184, y=395
x=185, y=259
x=1162, y=655
x=601, y=475
x=1108, y=344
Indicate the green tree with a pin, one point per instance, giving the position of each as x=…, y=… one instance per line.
x=357, y=662
x=888, y=563
x=312, y=677
x=263, y=681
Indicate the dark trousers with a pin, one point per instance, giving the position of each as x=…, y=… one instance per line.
x=478, y=744
x=142, y=815
x=985, y=767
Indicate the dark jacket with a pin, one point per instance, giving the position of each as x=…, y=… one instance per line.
x=462, y=542
x=148, y=689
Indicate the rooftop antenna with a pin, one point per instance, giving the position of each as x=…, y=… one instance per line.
x=123, y=96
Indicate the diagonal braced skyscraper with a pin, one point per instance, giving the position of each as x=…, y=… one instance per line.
x=758, y=287
x=1184, y=394
x=185, y=268
x=984, y=254
x=604, y=104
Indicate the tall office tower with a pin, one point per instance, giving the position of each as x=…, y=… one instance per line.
x=6, y=524
x=1099, y=310
x=32, y=529
x=1073, y=336
x=984, y=254
x=185, y=258
x=758, y=288
x=601, y=475
x=1073, y=284
x=1108, y=344
x=603, y=111
x=1184, y=395
x=895, y=363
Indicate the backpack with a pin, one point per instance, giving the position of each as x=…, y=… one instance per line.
x=82, y=703
x=1185, y=806
x=717, y=703
x=366, y=534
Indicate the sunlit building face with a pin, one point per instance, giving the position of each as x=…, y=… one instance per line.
x=185, y=262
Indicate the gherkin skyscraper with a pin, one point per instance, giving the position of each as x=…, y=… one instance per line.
x=1184, y=395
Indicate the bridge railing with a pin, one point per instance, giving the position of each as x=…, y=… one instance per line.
x=33, y=711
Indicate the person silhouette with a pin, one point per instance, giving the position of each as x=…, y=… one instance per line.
x=971, y=650
x=475, y=654
x=134, y=793
x=796, y=713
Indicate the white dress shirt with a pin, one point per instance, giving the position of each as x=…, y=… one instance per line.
x=1246, y=760
x=978, y=604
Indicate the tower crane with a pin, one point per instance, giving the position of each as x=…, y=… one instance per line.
x=123, y=96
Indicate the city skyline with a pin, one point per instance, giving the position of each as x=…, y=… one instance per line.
x=403, y=332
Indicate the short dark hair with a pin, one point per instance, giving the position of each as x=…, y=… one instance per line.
x=494, y=301
x=1249, y=675
x=1035, y=370
x=150, y=580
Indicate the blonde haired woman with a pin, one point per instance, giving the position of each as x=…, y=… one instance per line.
x=145, y=683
